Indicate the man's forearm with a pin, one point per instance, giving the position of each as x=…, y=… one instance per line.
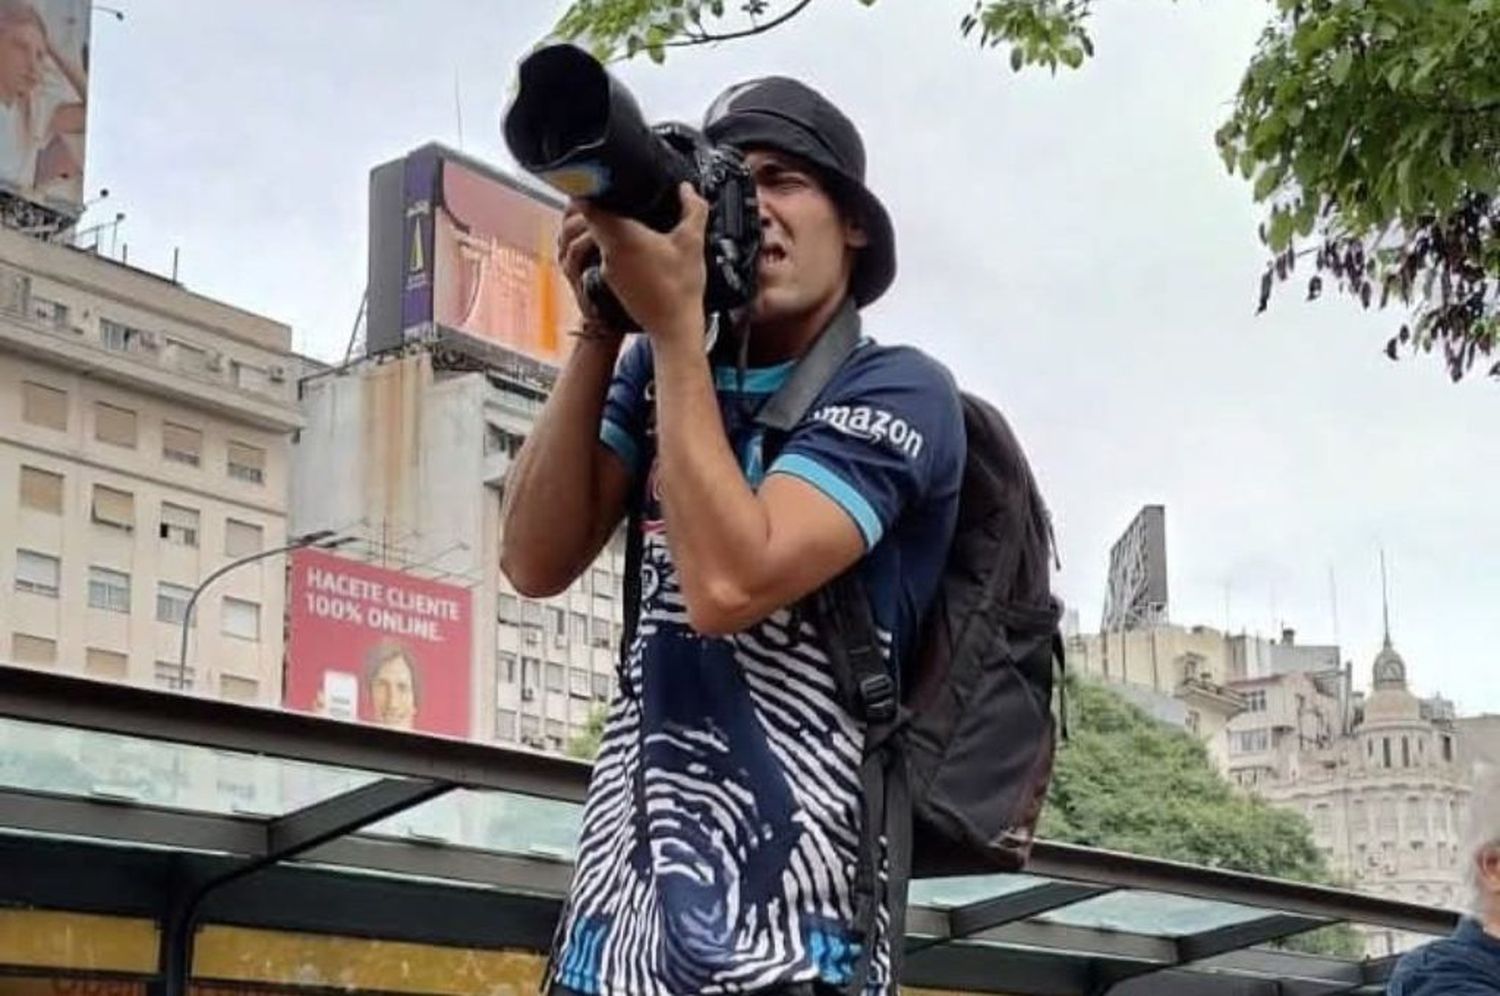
x=716, y=526
x=550, y=527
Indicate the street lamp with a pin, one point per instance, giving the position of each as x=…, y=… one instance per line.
x=322, y=538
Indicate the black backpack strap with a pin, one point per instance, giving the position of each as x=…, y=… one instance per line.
x=635, y=553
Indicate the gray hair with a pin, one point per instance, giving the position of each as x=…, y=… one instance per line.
x=1483, y=830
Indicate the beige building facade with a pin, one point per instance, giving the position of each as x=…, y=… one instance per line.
x=421, y=447
x=144, y=433
x=1387, y=800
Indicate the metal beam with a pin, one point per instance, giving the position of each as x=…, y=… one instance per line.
x=1251, y=933
x=70, y=701
x=77, y=816
x=344, y=814
x=987, y=913
x=1286, y=965
x=1130, y=871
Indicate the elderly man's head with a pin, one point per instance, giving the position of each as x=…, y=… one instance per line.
x=1484, y=847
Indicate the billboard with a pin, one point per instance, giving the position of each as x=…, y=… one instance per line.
x=1137, y=593
x=379, y=646
x=464, y=255
x=43, y=99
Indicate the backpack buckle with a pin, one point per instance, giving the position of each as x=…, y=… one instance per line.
x=877, y=698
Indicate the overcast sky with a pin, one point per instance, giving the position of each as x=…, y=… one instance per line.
x=1070, y=247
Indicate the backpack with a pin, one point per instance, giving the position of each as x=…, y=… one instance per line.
x=956, y=765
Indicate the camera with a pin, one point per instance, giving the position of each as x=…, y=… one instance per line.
x=578, y=129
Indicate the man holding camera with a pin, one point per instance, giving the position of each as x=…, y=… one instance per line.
x=720, y=842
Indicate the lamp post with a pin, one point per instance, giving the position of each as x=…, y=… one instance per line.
x=320, y=537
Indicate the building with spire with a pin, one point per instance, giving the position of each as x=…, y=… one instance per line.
x=1380, y=777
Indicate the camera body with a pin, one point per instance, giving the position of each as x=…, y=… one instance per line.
x=577, y=128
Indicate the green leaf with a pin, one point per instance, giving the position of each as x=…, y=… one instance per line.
x=1339, y=71
x=1017, y=58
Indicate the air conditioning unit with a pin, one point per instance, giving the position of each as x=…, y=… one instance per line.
x=214, y=361
x=528, y=694
x=277, y=375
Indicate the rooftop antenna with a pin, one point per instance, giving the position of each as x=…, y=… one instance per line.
x=1333, y=602
x=1385, y=601
x=458, y=109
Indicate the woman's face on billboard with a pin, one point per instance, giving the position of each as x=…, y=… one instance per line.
x=393, y=694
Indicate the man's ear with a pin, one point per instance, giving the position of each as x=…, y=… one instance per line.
x=1488, y=861
x=855, y=236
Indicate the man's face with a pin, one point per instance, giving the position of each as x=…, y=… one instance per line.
x=806, y=243
x=393, y=695
x=22, y=51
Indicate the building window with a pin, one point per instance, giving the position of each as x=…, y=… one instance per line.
x=1249, y=741
x=248, y=377
x=26, y=649
x=509, y=609
x=247, y=463
x=1405, y=752
x=1385, y=750
x=44, y=406
x=171, y=676
x=172, y=603
x=554, y=678
x=579, y=624
x=114, y=425
x=531, y=677
x=1385, y=817
x=507, y=668
x=37, y=573
x=180, y=444
x=1255, y=701
x=1322, y=818
x=531, y=731
x=118, y=336
x=558, y=625
x=603, y=584
x=179, y=525
x=599, y=634
x=241, y=539
x=1447, y=748
x=578, y=683
x=105, y=664
x=505, y=724
x=109, y=590
x=601, y=687
x=41, y=490
x=554, y=734
x=236, y=689
x=241, y=619
x=112, y=508
x=1194, y=722
x=48, y=313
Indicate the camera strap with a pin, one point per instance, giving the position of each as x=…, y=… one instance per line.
x=813, y=372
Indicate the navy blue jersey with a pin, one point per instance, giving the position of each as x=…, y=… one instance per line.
x=721, y=830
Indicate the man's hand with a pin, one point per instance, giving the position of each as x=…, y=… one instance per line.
x=659, y=277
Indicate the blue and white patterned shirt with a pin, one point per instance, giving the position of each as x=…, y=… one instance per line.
x=721, y=832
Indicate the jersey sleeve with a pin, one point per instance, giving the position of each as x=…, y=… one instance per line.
x=887, y=434
x=623, y=427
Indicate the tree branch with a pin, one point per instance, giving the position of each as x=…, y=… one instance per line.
x=705, y=37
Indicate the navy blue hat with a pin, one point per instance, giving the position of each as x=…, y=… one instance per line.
x=791, y=117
